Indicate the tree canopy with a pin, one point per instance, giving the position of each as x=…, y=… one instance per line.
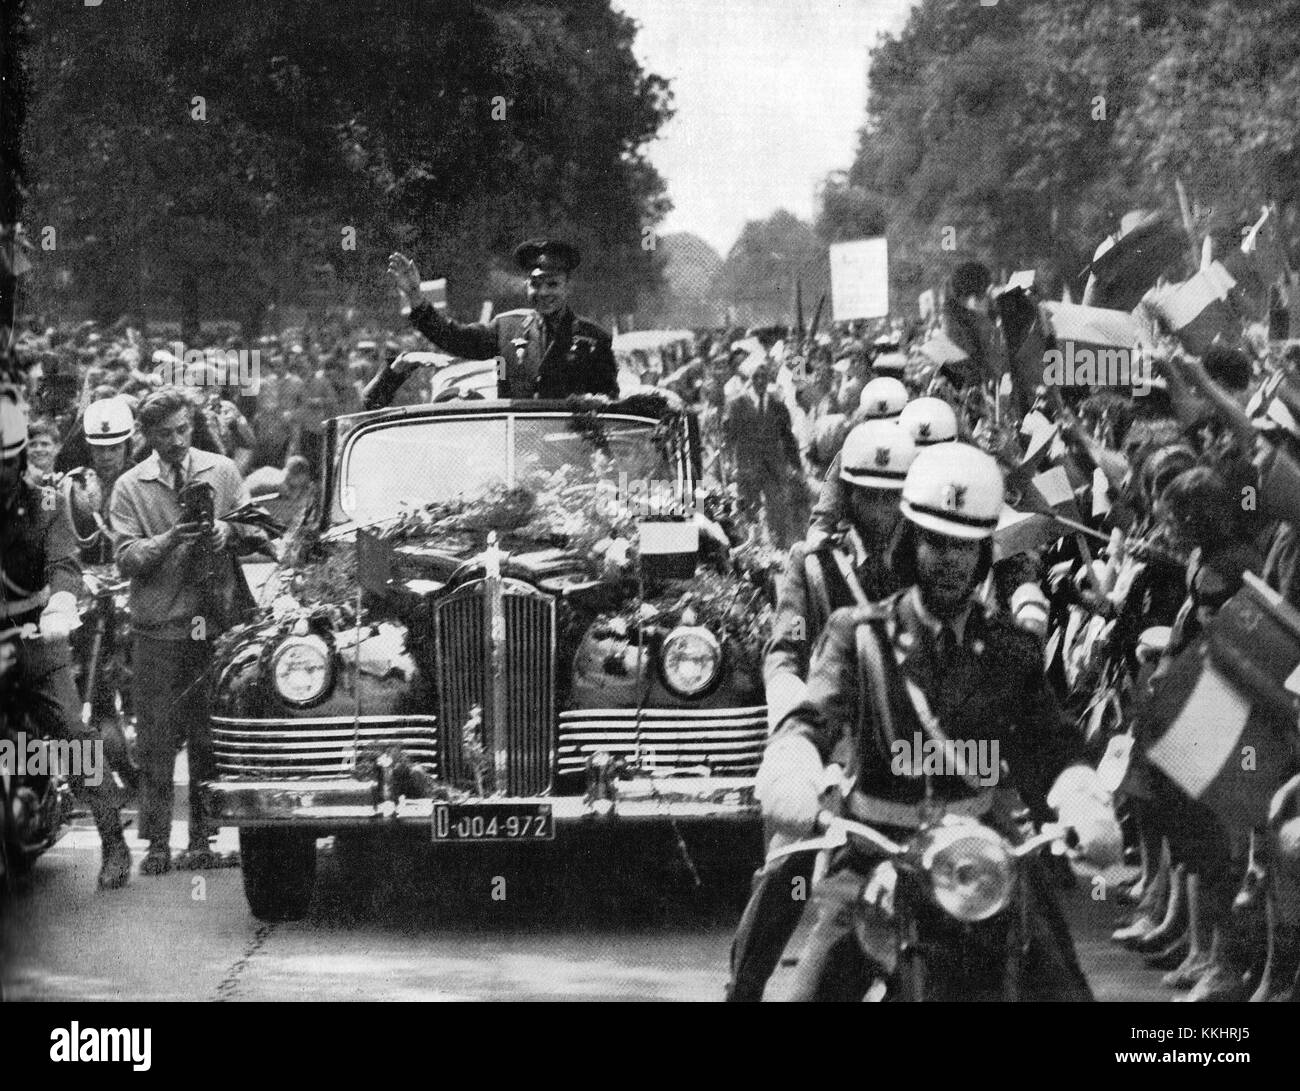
x=232, y=156
x=1029, y=129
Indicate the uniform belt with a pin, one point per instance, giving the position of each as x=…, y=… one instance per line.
x=11, y=608
x=888, y=812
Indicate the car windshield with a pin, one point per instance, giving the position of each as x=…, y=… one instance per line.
x=411, y=463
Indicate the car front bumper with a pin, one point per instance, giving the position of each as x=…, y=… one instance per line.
x=348, y=803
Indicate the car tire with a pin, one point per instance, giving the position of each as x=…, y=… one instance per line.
x=279, y=869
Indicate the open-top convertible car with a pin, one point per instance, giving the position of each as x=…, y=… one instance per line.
x=508, y=619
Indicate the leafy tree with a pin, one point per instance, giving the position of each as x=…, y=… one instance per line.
x=1020, y=134
x=757, y=281
x=330, y=133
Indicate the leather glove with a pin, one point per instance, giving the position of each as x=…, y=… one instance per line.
x=59, y=617
x=784, y=692
x=789, y=784
x=1084, y=804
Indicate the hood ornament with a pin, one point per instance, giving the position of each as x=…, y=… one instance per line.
x=492, y=556
x=471, y=741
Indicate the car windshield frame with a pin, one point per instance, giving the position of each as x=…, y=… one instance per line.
x=342, y=515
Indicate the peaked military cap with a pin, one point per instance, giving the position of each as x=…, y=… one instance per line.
x=547, y=256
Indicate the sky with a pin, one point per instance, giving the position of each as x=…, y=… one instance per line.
x=769, y=95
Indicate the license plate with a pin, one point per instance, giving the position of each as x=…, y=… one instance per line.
x=493, y=822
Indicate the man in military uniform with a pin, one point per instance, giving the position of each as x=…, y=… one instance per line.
x=39, y=581
x=929, y=661
x=548, y=351
x=850, y=570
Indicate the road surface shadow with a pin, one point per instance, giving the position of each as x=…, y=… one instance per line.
x=595, y=880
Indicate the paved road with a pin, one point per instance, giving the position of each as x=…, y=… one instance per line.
x=412, y=926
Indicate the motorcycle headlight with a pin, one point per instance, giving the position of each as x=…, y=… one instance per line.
x=302, y=668
x=690, y=659
x=972, y=874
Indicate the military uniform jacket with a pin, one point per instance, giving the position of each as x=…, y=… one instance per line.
x=579, y=359
x=992, y=687
x=38, y=555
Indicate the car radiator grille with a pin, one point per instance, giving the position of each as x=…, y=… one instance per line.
x=518, y=737
x=327, y=747
x=665, y=741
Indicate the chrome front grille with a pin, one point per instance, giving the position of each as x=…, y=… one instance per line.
x=331, y=746
x=704, y=742
x=515, y=718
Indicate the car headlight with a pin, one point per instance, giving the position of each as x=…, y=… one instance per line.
x=972, y=875
x=690, y=659
x=302, y=668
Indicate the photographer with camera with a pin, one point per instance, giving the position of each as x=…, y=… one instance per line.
x=174, y=544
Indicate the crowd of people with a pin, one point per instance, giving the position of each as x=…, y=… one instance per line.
x=862, y=455
x=1169, y=508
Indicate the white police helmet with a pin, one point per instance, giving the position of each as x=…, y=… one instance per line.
x=109, y=421
x=876, y=455
x=882, y=398
x=930, y=420
x=954, y=489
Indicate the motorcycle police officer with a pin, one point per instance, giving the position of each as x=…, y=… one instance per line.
x=39, y=581
x=109, y=425
x=549, y=352
x=931, y=662
x=853, y=569
x=824, y=574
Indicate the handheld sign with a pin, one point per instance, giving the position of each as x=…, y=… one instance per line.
x=859, y=279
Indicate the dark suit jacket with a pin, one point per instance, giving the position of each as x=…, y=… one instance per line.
x=761, y=442
x=578, y=360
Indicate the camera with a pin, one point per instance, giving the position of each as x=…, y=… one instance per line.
x=197, y=501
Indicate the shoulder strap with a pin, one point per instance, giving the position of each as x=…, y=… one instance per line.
x=850, y=577
x=819, y=596
x=880, y=677
x=874, y=689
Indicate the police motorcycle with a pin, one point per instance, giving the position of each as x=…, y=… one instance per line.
x=919, y=901
x=100, y=647
x=940, y=897
x=100, y=644
x=35, y=796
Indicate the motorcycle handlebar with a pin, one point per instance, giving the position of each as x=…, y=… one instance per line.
x=836, y=832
